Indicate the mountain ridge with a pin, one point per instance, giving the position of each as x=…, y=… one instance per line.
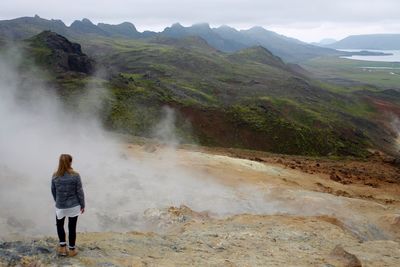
x=226, y=39
x=381, y=41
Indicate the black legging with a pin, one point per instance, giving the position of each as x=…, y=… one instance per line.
x=71, y=230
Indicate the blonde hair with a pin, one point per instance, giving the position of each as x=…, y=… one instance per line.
x=64, y=165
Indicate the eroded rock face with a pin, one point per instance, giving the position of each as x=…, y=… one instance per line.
x=65, y=55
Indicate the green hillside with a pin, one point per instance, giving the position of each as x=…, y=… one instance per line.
x=247, y=99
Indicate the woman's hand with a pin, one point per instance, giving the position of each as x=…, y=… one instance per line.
x=82, y=210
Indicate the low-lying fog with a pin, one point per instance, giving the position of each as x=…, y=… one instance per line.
x=35, y=128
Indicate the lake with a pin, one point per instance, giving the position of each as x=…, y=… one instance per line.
x=392, y=58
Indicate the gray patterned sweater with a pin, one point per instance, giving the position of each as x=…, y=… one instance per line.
x=67, y=191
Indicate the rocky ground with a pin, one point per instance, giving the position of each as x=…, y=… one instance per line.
x=242, y=240
x=318, y=212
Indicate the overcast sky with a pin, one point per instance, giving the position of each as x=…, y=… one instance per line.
x=307, y=20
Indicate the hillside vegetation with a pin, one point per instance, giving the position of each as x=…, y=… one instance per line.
x=247, y=99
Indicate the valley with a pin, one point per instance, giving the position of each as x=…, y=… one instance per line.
x=351, y=73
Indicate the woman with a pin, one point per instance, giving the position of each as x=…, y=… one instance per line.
x=66, y=187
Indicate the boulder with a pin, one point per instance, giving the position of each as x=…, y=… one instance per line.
x=345, y=258
x=64, y=55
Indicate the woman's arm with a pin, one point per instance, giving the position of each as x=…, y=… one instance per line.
x=53, y=189
x=79, y=191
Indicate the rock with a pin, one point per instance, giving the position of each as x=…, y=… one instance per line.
x=147, y=75
x=177, y=248
x=257, y=159
x=65, y=55
x=324, y=188
x=391, y=221
x=334, y=177
x=150, y=148
x=396, y=219
x=388, y=159
x=396, y=162
x=42, y=250
x=345, y=258
x=342, y=193
x=374, y=185
x=172, y=217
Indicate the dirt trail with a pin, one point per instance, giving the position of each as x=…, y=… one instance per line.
x=305, y=212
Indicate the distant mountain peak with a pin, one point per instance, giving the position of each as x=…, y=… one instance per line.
x=177, y=25
x=86, y=26
x=87, y=21
x=258, y=29
x=126, y=23
x=84, y=21
x=126, y=29
x=58, y=21
x=226, y=27
x=202, y=25
x=123, y=24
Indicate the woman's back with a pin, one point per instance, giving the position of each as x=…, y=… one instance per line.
x=67, y=190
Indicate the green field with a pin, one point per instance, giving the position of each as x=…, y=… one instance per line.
x=379, y=74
